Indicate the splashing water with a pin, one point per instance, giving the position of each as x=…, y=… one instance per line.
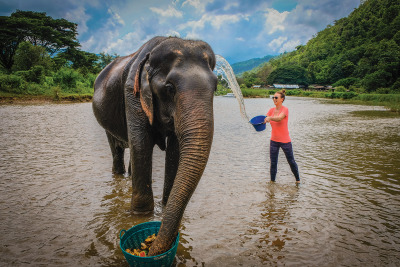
x=225, y=70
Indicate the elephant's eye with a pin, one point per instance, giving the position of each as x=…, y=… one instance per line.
x=170, y=89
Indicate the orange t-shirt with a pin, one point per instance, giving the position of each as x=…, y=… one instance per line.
x=280, y=131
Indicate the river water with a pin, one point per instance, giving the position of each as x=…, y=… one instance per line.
x=61, y=205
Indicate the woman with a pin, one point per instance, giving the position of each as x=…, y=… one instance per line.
x=278, y=118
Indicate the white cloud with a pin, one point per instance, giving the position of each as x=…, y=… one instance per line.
x=274, y=20
x=289, y=46
x=277, y=43
x=169, y=12
x=127, y=44
x=240, y=39
x=199, y=5
x=173, y=34
x=79, y=16
x=115, y=18
x=100, y=44
x=217, y=21
x=220, y=20
x=230, y=5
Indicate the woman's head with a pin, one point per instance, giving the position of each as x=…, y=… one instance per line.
x=279, y=96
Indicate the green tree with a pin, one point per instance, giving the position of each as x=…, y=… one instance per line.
x=105, y=59
x=10, y=37
x=288, y=74
x=264, y=72
x=250, y=79
x=37, y=28
x=376, y=80
x=28, y=55
x=78, y=59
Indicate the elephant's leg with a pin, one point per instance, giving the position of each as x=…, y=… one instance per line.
x=117, y=151
x=130, y=168
x=171, y=166
x=141, y=170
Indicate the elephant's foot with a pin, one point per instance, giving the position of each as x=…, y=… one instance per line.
x=118, y=167
x=142, y=206
x=118, y=170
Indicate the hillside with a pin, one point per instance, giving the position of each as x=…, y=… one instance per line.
x=360, y=51
x=240, y=67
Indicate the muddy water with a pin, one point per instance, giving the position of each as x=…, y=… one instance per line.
x=60, y=204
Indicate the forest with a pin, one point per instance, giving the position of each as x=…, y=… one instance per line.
x=41, y=56
x=360, y=52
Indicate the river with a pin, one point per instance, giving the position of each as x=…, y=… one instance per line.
x=61, y=205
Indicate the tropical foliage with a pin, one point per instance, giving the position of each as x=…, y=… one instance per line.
x=41, y=56
x=360, y=51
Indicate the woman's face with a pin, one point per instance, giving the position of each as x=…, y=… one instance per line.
x=277, y=99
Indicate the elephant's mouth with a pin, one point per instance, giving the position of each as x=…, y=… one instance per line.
x=169, y=125
x=167, y=128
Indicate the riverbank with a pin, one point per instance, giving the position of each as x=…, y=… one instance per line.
x=390, y=101
x=6, y=98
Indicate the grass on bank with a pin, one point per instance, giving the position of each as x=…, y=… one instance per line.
x=390, y=101
x=64, y=84
x=69, y=86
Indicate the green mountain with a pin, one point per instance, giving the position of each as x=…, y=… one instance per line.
x=360, y=51
x=240, y=67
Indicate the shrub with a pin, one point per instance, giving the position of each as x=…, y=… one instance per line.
x=34, y=75
x=67, y=79
x=348, y=95
x=356, y=89
x=222, y=90
x=56, y=90
x=347, y=82
x=35, y=89
x=11, y=83
x=396, y=86
x=382, y=91
x=340, y=89
x=293, y=92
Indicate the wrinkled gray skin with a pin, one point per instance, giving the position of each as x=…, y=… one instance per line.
x=162, y=94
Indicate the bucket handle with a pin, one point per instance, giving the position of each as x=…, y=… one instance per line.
x=121, y=234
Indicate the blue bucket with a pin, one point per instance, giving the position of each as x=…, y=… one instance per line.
x=136, y=235
x=258, y=123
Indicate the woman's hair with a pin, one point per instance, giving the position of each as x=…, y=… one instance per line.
x=282, y=93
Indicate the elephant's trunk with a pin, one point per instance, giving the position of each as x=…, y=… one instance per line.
x=194, y=124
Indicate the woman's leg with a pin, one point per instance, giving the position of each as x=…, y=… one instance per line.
x=287, y=148
x=273, y=155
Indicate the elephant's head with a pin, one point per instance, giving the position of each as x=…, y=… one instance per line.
x=176, y=85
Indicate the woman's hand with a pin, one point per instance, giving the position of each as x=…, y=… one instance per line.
x=267, y=119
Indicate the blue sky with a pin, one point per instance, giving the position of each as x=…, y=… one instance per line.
x=236, y=29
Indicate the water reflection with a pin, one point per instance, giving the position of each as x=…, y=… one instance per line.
x=272, y=230
x=61, y=205
x=116, y=215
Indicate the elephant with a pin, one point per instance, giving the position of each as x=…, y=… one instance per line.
x=161, y=94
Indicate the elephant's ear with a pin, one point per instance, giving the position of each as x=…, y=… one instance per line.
x=142, y=86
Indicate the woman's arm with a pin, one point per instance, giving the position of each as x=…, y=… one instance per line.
x=278, y=118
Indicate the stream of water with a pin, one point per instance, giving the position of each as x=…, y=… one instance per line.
x=224, y=69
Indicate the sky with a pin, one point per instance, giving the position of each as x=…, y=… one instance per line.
x=238, y=30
